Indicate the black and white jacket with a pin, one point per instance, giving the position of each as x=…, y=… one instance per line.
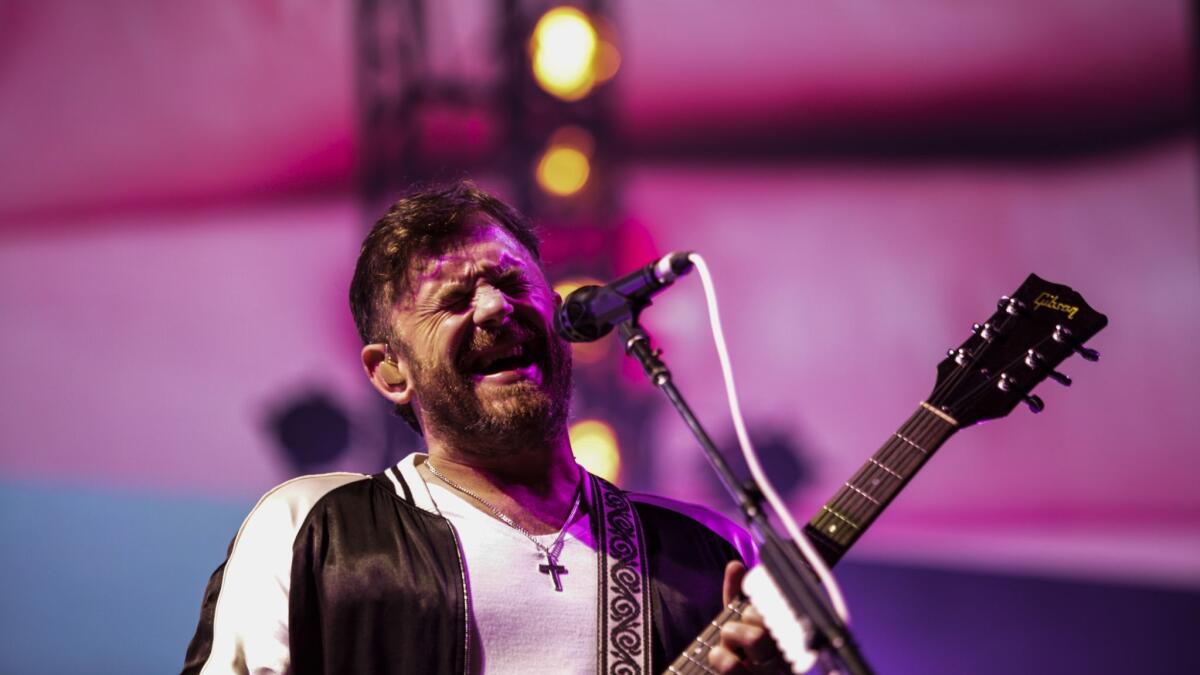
x=349, y=573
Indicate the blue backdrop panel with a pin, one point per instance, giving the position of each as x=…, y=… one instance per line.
x=103, y=582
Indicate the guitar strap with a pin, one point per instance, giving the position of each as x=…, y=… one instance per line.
x=623, y=598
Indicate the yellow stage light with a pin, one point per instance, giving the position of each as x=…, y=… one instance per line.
x=563, y=51
x=566, y=164
x=595, y=446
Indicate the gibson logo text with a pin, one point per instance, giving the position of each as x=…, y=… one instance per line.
x=1051, y=302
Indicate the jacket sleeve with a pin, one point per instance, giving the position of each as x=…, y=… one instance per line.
x=243, y=624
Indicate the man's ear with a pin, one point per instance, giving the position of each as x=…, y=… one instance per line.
x=387, y=373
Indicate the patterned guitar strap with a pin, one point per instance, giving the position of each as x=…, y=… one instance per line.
x=623, y=599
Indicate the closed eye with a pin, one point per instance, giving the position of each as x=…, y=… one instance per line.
x=513, y=284
x=454, y=298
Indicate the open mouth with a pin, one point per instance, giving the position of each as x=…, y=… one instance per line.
x=514, y=358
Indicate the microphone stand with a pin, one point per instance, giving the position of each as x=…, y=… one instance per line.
x=778, y=554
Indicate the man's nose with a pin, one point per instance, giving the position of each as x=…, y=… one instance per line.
x=491, y=306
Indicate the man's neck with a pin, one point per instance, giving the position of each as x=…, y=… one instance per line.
x=535, y=487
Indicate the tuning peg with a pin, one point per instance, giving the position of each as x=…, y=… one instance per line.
x=985, y=331
x=1034, y=360
x=1059, y=378
x=1035, y=403
x=1005, y=383
x=1063, y=334
x=1010, y=305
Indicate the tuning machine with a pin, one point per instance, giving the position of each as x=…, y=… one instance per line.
x=1011, y=306
x=986, y=331
x=961, y=355
x=1034, y=402
x=1063, y=334
x=1035, y=360
x=1006, y=383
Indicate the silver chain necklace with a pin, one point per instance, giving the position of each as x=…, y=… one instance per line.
x=551, y=552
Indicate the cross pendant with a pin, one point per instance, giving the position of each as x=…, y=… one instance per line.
x=553, y=569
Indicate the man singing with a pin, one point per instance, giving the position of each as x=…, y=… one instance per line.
x=495, y=552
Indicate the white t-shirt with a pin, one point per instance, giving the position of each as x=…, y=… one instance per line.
x=519, y=622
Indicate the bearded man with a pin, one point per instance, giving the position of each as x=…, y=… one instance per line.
x=494, y=552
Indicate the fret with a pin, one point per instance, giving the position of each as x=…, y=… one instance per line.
x=842, y=520
x=864, y=495
x=860, y=502
x=841, y=517
x=908, y=440
x=695, y=658
x=861, y=499
x=853, y=505
x=886, y=468
x=963, y=390
x=868, y=491
x=901, y=458
x=702, y=665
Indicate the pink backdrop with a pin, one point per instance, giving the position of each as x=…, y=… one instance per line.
x=177, y=231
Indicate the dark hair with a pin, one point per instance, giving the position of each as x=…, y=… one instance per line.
x=420, y=224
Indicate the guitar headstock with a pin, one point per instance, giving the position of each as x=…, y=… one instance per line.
x=1020, y=345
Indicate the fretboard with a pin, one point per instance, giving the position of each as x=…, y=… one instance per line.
x=860, y=500
x=694, y=660
x=843, y=519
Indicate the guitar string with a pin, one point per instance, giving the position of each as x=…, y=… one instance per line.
x=960, y=373
x=954, y=380
x=895, y=453
x=902, y=460
x=840, y=500
x=898, y=454
x=897, y=457
x=992, y=378
x=712, y=630
x=917, y=427
x=884, y=456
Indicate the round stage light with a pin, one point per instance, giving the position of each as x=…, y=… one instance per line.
x=569, y=286
x=595, y=446
x=563, y=51
x=566, y=163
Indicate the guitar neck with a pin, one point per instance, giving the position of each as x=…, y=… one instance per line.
x=694, y=661
x=860, y=500
x=843, y=519
x=994, y=370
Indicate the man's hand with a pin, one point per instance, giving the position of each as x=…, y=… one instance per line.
x=746, y=646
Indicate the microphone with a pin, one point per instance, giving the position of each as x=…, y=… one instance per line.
x=588, y=313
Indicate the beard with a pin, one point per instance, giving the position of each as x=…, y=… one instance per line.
x=512, y=417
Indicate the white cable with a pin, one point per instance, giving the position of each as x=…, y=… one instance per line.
x=735, y=411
